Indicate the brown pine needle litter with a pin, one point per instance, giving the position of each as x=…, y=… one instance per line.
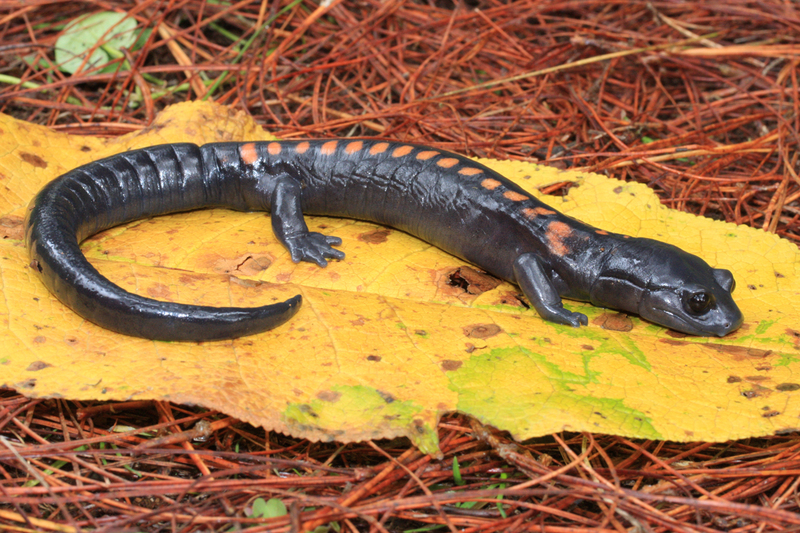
x=699, y=100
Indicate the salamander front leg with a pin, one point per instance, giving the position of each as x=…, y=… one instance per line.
x=541, y=293
x=290, y=227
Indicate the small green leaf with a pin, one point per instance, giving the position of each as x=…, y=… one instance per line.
x=99, y=32
x=457, y=472
x=271, y=508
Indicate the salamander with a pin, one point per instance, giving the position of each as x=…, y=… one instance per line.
x=446, y=199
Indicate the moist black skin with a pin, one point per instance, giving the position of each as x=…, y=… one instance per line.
x=443, y=198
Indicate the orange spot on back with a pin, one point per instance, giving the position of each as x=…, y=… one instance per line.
x=354, y=147
x=274, y=148
x=378, y=148
x=447, y=162
x=537, y=211
x=470, y=171
x=424, y=156
x=515, y=196
x=490, y=184
x=248, y=153
x=601, y=232
x=328, y=148
x=402, y=151
x=556, y=233
x=302, y=147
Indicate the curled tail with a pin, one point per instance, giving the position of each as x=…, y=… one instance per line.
x=149, y=182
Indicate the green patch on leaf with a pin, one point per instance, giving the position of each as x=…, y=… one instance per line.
x=91, y=41
x=490, y=388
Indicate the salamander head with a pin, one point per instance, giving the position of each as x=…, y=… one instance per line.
x=684, y=293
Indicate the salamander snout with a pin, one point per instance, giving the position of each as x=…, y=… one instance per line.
x=697, y=304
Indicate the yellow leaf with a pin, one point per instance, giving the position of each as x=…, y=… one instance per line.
x=399, y=332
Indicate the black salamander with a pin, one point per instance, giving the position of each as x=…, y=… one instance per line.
x=443, y=198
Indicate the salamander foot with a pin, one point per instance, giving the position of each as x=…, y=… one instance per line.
x=314, y=247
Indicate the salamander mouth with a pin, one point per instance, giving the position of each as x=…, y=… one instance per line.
x=679, y=319
x=691, y=329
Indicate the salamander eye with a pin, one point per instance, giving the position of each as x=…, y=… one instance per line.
x=700, y=302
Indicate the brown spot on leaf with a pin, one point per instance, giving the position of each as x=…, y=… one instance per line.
x=27, y=384
x=254, y=264
x=449, y=365
x=614, y=321
x=374, y=358
x=738, y=353
x=37, y=365
x=771, y=413
x=734, y=379
x=470, y=280
x=11, y=228
x=85, y=148
x=159, y=291
x=757, y=391
x=329, y=396
x=388, y=398
x=787, y=387
x=511, y=298
x=33, y=159
x=40, y=339
x=482, y=331
x=794, y=335
x=756, y=378
x=376, y=236
x=190, y=279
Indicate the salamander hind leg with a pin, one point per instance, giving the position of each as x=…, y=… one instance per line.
x=291, y=229
x=541, y=293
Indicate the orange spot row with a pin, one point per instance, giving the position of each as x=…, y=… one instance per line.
x=532, y=213
x=515, y=196
x=402, y=151
x=378, y=148
x=329, y=148
x=470, y=171
x=490, y=184
x=556, y=233
x=354, y=147
x=248, y=153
